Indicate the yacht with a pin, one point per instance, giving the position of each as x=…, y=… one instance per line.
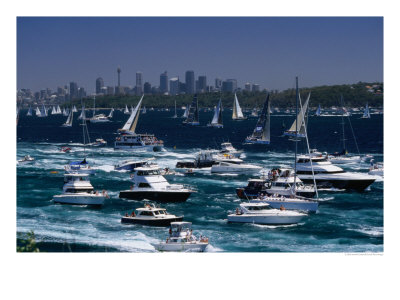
x=100, y=118
x=131, y=165
x=233, y=167
x=263, y=213
x=26, y=160
x=227, y=147
x=298, y=130
x=98, y=143
x=217, y=119
x=129, y=140
x=261, y=133
x=193, y=113
x=78, y=190
x=150, y=215
x=181, y=239
x=376, y=168
x=328, y=175
x=237, y=113
x=204, y=159
x=279, y=182
x=81, y=167
x=291, y=203
x=148, y=183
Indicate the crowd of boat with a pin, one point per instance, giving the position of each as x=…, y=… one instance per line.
x=280, y=196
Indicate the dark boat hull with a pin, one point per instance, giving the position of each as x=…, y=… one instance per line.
x=358, y=185
x=158, y=196
x=154, y=222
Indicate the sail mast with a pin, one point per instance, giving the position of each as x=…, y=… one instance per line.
x=295, y=153
x=343, y=110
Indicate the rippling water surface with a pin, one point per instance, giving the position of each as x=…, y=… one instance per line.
x=345, y=221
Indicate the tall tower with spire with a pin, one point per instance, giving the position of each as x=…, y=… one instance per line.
x=119, y=75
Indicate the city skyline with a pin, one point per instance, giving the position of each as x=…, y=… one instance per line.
x=264, y=51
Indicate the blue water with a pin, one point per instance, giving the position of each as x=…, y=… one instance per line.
x=345, y=221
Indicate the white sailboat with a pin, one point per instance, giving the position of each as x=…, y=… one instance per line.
x=82, y=116
x=29, y=113
x=58, y=110
x=193, y=116
x=318, y=111
x=144, y=110
x=68, y=122
x=366, y=115
x=100, y=118
x=74, y=109
x=129, y=140
x=217, y=119
x=54, y=110
x=186, y=113
x=299, y=132
x=237, y=113
x=126, y=111
x=261, y=134
x=37, y=112
x=110, y=115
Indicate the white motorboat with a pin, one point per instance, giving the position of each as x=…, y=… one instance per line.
x=226, y=157
x=193, y=113
x=181, y=239
x=148, y=183
x=261, y=133
x=131, y=165
x=98, y=143
x=227, y=147
x=344, y=159
x=231, y=167
x=328, y=175
x=203, y=159
x=237, y=113
x=376, y=169
x=263, y=213
x=217, y=119
x=79, y=191
x=26, y=160
x=150, y=215
x=129, y=140
x=100, y=118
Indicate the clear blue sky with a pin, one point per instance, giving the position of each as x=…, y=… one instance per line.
x=269, y=51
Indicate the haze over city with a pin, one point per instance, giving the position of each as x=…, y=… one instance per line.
x=52, y=52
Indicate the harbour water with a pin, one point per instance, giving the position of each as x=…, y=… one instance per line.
x=345, y=221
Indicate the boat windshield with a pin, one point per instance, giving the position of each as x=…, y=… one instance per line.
x=148, y=172
x=259, y=207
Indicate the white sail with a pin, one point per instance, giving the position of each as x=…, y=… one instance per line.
x=300, y=118
x=366, y=112
x=237, y=111
x=110, y=115
x=68, y=123
x=44, y=112
x=126, y=111
x=130, y=125
x=217, y=119
x=58, y=109
x=175, y=115
x=74, y=109
x=186, y=113
x=54, y=110
x=29, y=113
x=144, y=110
x=37, y=111
x=82, y=116
x=318, y=112
x=64, y=112
x=261, y=133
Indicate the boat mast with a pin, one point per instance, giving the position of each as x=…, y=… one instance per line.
x=295, y=153
x=343, y=110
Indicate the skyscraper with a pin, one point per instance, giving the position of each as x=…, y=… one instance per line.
x=164, y=83
x=202, y=84
x=139, y=83
x=174, y=86
x=218, y=83
x=73, y=90
x=256, y=87
x=147, y=88
x=247, y=87
x=229, y=85
x=190, y=82
x=99, y=85
x=119, y=72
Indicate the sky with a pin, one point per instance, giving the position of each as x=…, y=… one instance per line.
x=269, y=51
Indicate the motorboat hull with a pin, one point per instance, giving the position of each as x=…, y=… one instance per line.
x=155, y=148
x=159, y=196
x=74, y=199
x=256, y=142
x=244, y=193
x=345, y=160
x=161, y=222
x=230, y=169
x=265, y=220
x=347, y=184
x=181, y=247
x=287, y=203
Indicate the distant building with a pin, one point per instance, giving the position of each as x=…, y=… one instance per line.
x=247, y=87
x=119, y=75
x=119, y=90
x=229, y=85
x=139, y=83
x=60, y=91
x=73, y=90
x=256, y=88
x=99, y=85
x=147, y=88
x=43, y=94
x=182, y=87
x=81, y=92
x=110, y=90
x=174, y=86
x=164, y=83
x=218, y=83
x=190, y=82
x=202, y=84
